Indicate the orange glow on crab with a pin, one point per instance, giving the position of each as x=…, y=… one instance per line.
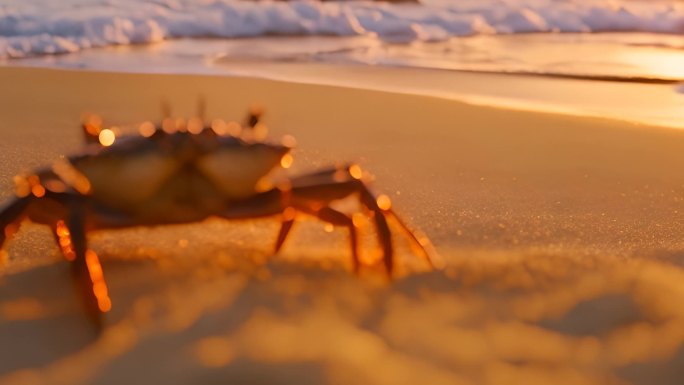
x=359, y=220
x=93, y=125
x=218, y=126
x=355, y=171
x=286, y=161
x=29, y=185
x=11, y=229
x=147, y=129
x=195, y=125
x=289, y=214
x=169, y=125
x=99, y=285
x=62, y=230
x=64, y=240
x=21, y=186
x=384, y=202
x=38, y=191
x=181, y=124
x=107, y=137
x=55, y=186
x=233, y=129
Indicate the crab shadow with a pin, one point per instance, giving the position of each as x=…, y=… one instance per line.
x=168, y=305
x=41, y=318
x=208, y=318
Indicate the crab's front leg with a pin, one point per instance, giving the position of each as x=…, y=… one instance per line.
x=86, y=268
x=65, y=214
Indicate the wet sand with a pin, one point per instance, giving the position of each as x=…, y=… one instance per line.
x=563, y=238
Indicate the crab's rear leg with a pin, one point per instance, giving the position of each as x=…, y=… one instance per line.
x=307, y=197
x=285, y=228
x=319, y=189
x=326, y=214
x=277, y=201
x=337, y=218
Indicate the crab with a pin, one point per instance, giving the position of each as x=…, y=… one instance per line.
x=184, y=171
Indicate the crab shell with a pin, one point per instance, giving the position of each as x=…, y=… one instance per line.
x=175, y=177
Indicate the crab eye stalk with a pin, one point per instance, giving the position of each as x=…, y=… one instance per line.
x=254, y=116
x=254, y=129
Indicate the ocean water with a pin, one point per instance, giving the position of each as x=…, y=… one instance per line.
x=626, y=41
x=45, y=27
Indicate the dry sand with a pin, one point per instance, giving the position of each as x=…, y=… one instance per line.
x=563, y=238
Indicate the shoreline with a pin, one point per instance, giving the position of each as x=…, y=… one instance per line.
x=636, y=102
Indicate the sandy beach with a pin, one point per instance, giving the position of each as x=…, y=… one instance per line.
x=563, y=238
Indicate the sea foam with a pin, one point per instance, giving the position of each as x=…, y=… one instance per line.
x=45, y=27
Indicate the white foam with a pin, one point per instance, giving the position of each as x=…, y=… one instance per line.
x=45, y=27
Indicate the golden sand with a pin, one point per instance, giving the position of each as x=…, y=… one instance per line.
x=562, y=235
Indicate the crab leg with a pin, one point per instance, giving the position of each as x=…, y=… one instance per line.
x=329, y=215
x=86, y=267
x=312, y=193
x=307, y=197
x=285, y=228
x=48, y=209
x=337, y=218
x=253, y=117
x=70, y=236
x=325, y=186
